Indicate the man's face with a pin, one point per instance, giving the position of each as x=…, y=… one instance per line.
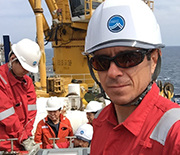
x=54, y=115
x=123, y=85
x=18, y=70
x=80, y=143
x=90, y=116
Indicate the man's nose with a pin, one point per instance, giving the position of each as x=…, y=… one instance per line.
x=114, y=70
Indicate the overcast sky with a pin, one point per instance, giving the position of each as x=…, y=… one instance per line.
x=18, y=20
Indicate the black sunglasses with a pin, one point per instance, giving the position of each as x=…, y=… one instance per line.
x=125, y=59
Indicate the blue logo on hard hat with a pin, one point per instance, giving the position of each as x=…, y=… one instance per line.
x=34, y=63
x=116, y=23
x=81, y=132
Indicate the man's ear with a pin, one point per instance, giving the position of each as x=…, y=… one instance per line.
x=12, y=57
x=154, y=59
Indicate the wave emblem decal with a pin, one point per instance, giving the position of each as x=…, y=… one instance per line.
x=116, y=23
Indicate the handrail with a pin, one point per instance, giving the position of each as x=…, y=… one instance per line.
x=88, y=7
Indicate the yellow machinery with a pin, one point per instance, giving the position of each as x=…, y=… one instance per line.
x=67, y=34
x=166, y=90
x=150, y=3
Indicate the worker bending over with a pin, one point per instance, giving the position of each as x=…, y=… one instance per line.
x=18, y=97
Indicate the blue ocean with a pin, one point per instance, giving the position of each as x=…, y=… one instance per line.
x=170, y=67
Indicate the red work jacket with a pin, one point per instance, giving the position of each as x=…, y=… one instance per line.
x=132, y=137
x=44, y=132
x=17, y=108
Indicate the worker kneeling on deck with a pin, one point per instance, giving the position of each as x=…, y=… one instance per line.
x=123, y=44
x=54, y=126
x=83, y=136
x=18, y=97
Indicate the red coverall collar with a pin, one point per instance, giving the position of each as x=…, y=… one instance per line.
x=135, y=121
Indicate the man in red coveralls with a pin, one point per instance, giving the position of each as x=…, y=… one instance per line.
x=17, y=95
x=55, y=125
x=124, y=43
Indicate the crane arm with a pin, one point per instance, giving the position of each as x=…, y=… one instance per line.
x=46, y=28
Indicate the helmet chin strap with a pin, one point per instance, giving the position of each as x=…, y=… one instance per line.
x=138, y=100
x=10, y=66
x=102, y=94
x=10, y=63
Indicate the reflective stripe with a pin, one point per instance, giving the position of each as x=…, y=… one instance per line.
x=166, y=122
x=7, y=113
x=32, y=107
x=45, y=127
x=3, y=79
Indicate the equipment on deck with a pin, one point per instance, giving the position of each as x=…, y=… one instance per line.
x=166, y=90
x=67, y=34
x=68, y=151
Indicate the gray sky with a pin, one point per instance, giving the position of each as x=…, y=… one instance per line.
x=18, y=20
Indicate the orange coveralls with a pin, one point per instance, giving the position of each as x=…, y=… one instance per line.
x=44, y=132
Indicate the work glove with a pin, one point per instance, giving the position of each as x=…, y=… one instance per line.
x=31, y=146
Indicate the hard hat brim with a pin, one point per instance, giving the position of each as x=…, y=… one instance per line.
x=29, y=68
x=89, y=110
x=53, y=109
x=126, y=43
x=82, y=138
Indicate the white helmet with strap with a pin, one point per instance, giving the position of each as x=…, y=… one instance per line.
x=94, y=106
x=122, y=23
x=129, y=23
x=28, y=53
x=53, y=103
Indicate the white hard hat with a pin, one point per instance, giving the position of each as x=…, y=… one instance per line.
x=28, y=53
x=94, y=106
x=53, y=103
x=85, y=132
x=122, y=23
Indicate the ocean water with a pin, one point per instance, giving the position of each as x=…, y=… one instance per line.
x=49, y=56
x=170, y=67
